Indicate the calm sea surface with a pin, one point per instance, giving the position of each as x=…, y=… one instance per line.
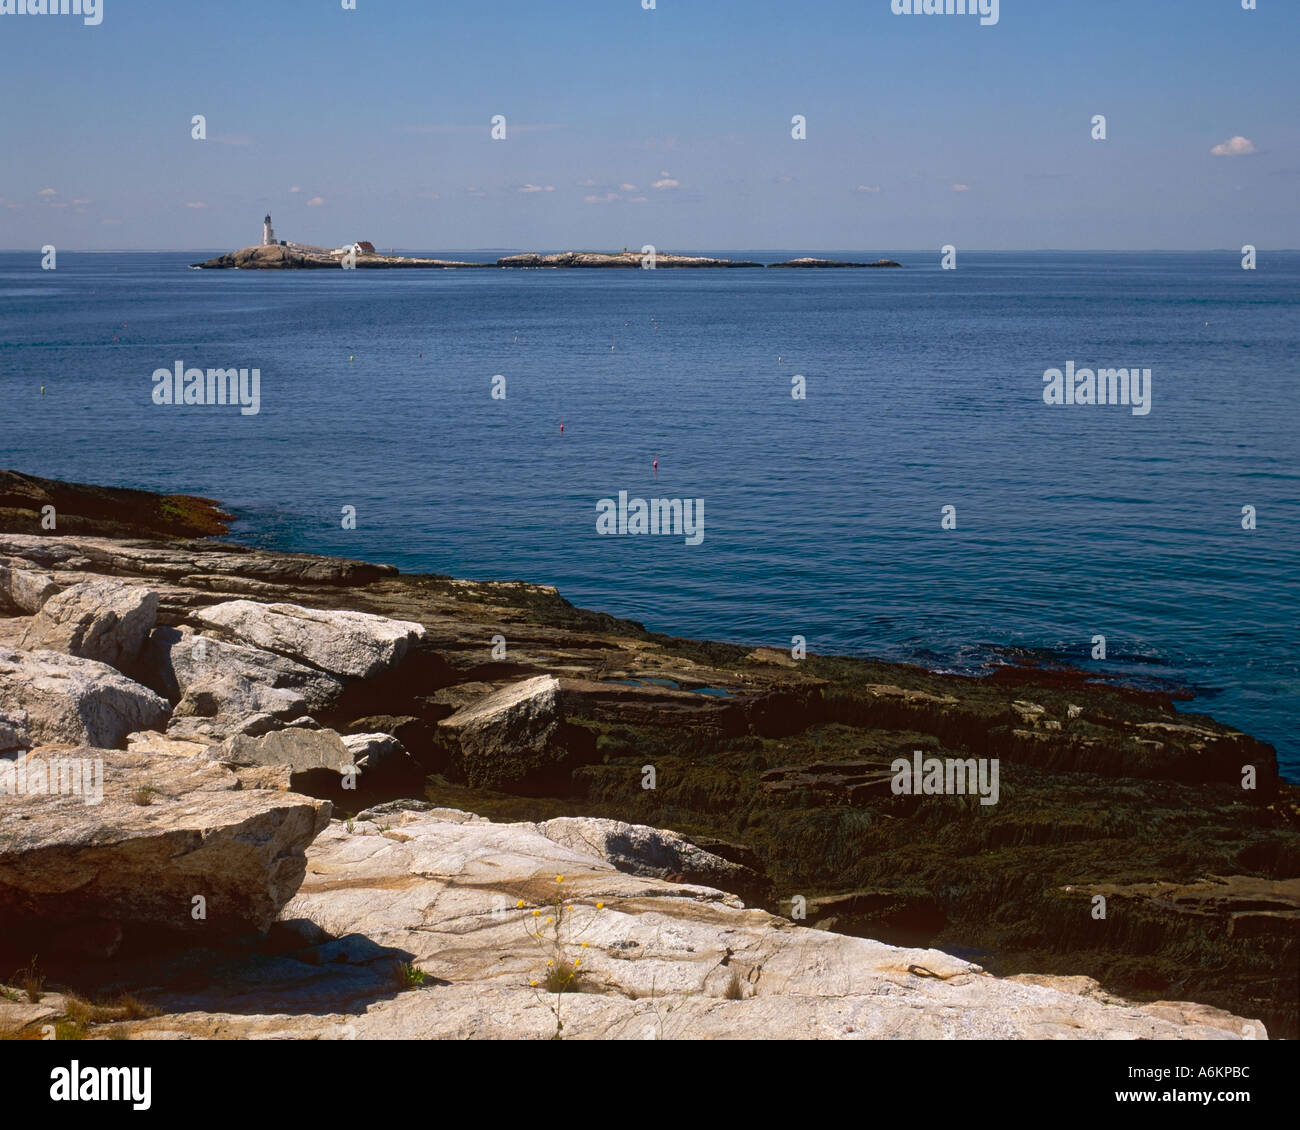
x=821, y=516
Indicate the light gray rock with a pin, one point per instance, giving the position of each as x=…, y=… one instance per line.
x=230, y=688
x=371, y=750
x=347, y=644
x=194, y=728
x=13, y=730
x=301, y=750
x=74, y=700
x=63, y=860
x=513, y=737
x=153, y=743
x=637, y=849
x=442, y=890
x=102, y=620
x=382, y=759
x=23, y=591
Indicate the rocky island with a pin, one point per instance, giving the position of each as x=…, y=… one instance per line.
x=624, y=259
x=807, y=261
x=297, y=258
x=326, y=809
x=280, y=255
x=278, y=258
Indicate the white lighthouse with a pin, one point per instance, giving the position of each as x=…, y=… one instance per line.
x=268, y=232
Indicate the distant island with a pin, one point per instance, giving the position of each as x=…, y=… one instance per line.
x=297, y=257
x=285, y=255
x=809, y=262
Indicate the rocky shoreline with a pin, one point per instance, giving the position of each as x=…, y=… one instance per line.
x=369, y=802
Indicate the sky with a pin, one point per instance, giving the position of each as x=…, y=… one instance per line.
x=670, y=126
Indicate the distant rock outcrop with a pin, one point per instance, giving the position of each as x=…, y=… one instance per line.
x=624, y=259
x=810, y=262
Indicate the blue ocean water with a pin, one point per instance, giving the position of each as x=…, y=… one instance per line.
x=821, y=516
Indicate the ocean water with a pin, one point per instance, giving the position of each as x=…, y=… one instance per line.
x=822, y=517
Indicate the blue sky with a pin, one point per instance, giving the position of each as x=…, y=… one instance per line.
x=670, y=127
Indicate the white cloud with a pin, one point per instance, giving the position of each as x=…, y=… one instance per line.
x=47, y=192
x=474, y=190
x=315, y=202
x=639, y=200
x=536, y=188
x=961, y=188
x=295, y=188
x=588, y=183
x=628, y=187
x=665, y=181
x=867, y=188
x=195, y=204
x=609, y=197
x=1234, y=147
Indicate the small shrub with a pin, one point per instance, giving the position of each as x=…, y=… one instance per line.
x=143, y=795
x=31, y=980
x=69, y=1030
x=734, y=991
x=409, y=976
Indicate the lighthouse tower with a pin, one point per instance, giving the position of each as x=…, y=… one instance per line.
x=268, y=232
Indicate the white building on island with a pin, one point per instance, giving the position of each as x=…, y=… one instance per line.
x=268, y=232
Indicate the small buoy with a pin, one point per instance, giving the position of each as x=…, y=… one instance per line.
x=351, y=358
x=656, y=462
x=42, y=390
x=561, y=425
